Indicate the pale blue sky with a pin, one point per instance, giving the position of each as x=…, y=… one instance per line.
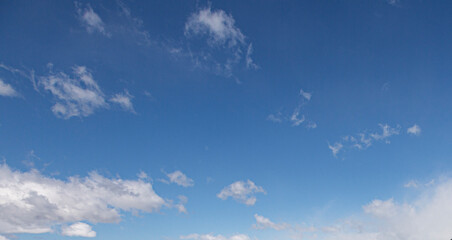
x=225, y=120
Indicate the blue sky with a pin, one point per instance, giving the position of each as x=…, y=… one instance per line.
x=225, y=120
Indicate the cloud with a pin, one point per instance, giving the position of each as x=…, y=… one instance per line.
x=263, y=223
x=226, y=44
x=3, y=238
x=414, y=130
x=387, y=131
x=91, y=20
x=30, y=76
x=76, y=96
x=335, y=148
x=134, y=25
x=217, y=25
x=196, y=236
x=428, y=215
x=306, y=95
x=78, y=229
x=124, y=100
x=243, y=192
x=180, y=179
x=33, y=203
x=363, y=140
x=7, y=90
x=393, y=2
x=296, y=118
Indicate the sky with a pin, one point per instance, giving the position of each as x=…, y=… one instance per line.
x=225, y=120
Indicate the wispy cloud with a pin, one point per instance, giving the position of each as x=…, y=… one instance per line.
x=364, y=139
x=134, y=25
x=296, y=118
x=7, y=90
x=34, y=203
x=179, y=178
x=224, y=39
x=90, y=20
x=243, y=192
x=264, y=223
x=124, y=100
x=196, y=236
x=28, y=74
x=414, y=130
x=78, y=95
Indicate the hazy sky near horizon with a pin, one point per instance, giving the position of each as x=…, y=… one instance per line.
x=226, y=120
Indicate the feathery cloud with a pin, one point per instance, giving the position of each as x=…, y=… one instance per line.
x=196, y=236
x=263, y=223
x=243, y=192
x=90, y=20
x=124, y=100
x=180, y=179
x=76, y=96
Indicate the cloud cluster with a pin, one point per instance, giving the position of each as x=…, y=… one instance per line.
x=226, y=44
x=196, y=236
x=33, y=203
x=364, y=139
x=243, y=192
x=79, y=95
x=296, y=118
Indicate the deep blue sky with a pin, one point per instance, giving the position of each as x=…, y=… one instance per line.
x=176, y=94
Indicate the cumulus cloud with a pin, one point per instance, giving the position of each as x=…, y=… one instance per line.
x=180, y=179
x=7, y=90
x=226, y=44
x=78, y=229
x=414, y=130
x=33, y=203
x=306, y=95
x=243, y=192
x=364, y=139
x=428, y=215
x=263, y=223
x=91, y=20
x=77, y=95
x=124, y=100
x=196, y=236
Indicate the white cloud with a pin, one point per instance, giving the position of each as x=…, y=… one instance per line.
x=124, y=100
x=276, y=118
x=393, y=2
x=33, y=203
x=263, y=223
x=226, y=44
x=78, y=229
x=249, y=61
x=306, y=95
x=7, y=90
x=75, y=96
x=296, y=118
x=30, y=76
x=243, y=192
x=387, y=131
x=90, y=19
x=411, y=184
x=335, y=148
x=3, y=238
x=180, y=179
x=426, y=216
x=414, y=130
x=364, y=139
x=196, y=236
x=219, y=26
